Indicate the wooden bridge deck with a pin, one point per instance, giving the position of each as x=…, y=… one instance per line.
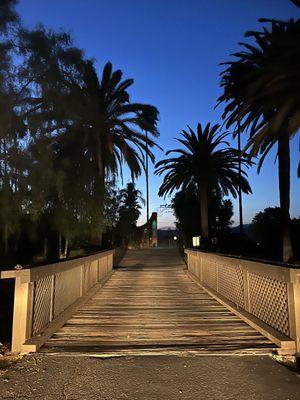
x=151, y=306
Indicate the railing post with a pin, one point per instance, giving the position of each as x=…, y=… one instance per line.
x=297, y=319
x=247, y=299
x=23, y=307
x=217, y=274
x=201, y=268
x=98, y=270
x=294, y=309
x=82, y=279
x=51, y=313
x=65, y=283
x=110, y=262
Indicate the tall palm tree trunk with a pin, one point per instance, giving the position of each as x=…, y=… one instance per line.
x=204, y=209
x=147, y=188
x=101, y=176
x=147, y=178
x=59, y=246
x=284, y=194
x=240, y=188
x=5, y=239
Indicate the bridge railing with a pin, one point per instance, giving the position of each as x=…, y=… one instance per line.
x=46, y=296
x=266, y=296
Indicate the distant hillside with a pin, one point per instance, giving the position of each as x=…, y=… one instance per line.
x=165, y=237
x=247, y=229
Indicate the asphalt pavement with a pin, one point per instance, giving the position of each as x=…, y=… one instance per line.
x=45, y=377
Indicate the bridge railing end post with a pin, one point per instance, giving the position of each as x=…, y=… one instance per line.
x=22, y=315
x=294, y=314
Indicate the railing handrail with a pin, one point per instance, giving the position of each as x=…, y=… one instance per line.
x=241, y=257
x=284, y=273
x=35, y=273
x=266, y=296
x=46, y=296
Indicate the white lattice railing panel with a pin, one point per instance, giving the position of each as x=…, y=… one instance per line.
x=45, y=292
x=66, y=289
x=231, y=284
x=192, y=264
x=90, y=274
x=103, y=267
x=41, y=304
x=268, y=300
x=209, y=273
x=265, y=295
x=195, y=267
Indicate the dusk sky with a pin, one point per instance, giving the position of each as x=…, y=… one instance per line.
x=172, y=49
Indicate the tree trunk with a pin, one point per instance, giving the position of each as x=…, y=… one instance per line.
x=284, y=194
x=5, y=239
x=240, y=188
x=147, y=178
x=66, y=246
x=45, y=249
x=147, y=187
x=101, y=174
x=59, y=246
x=204, y=209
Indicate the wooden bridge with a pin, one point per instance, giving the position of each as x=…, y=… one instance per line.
x=154, y=304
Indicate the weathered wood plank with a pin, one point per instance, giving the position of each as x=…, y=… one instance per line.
x=150, y=307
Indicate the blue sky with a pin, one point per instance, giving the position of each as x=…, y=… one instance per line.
x=172, y=49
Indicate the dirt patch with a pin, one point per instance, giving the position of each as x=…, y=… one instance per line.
x=7, y=359
x=6, y=362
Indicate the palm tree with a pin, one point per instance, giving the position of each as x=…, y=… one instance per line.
x=72, y=99
x=111, y=127
x=262, y=92
x=204, y=162
x=149, y=117
x=131, y=200
x=129, y=212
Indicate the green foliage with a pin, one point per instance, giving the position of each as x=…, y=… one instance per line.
x=64, y=135
x=261, y=86
x=110, y=125
x=129, y=212
x=223, y=217
x=261, y=95
x=203, y=159
x=206, y=165
x=112, y=202
x=12, y=157
x=8, y=15
x=266, y=228
x=186, y=208
x=185, y=204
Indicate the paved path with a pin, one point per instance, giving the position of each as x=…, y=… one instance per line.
x=149, y=378
x=46, y=376
x=151, y=306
